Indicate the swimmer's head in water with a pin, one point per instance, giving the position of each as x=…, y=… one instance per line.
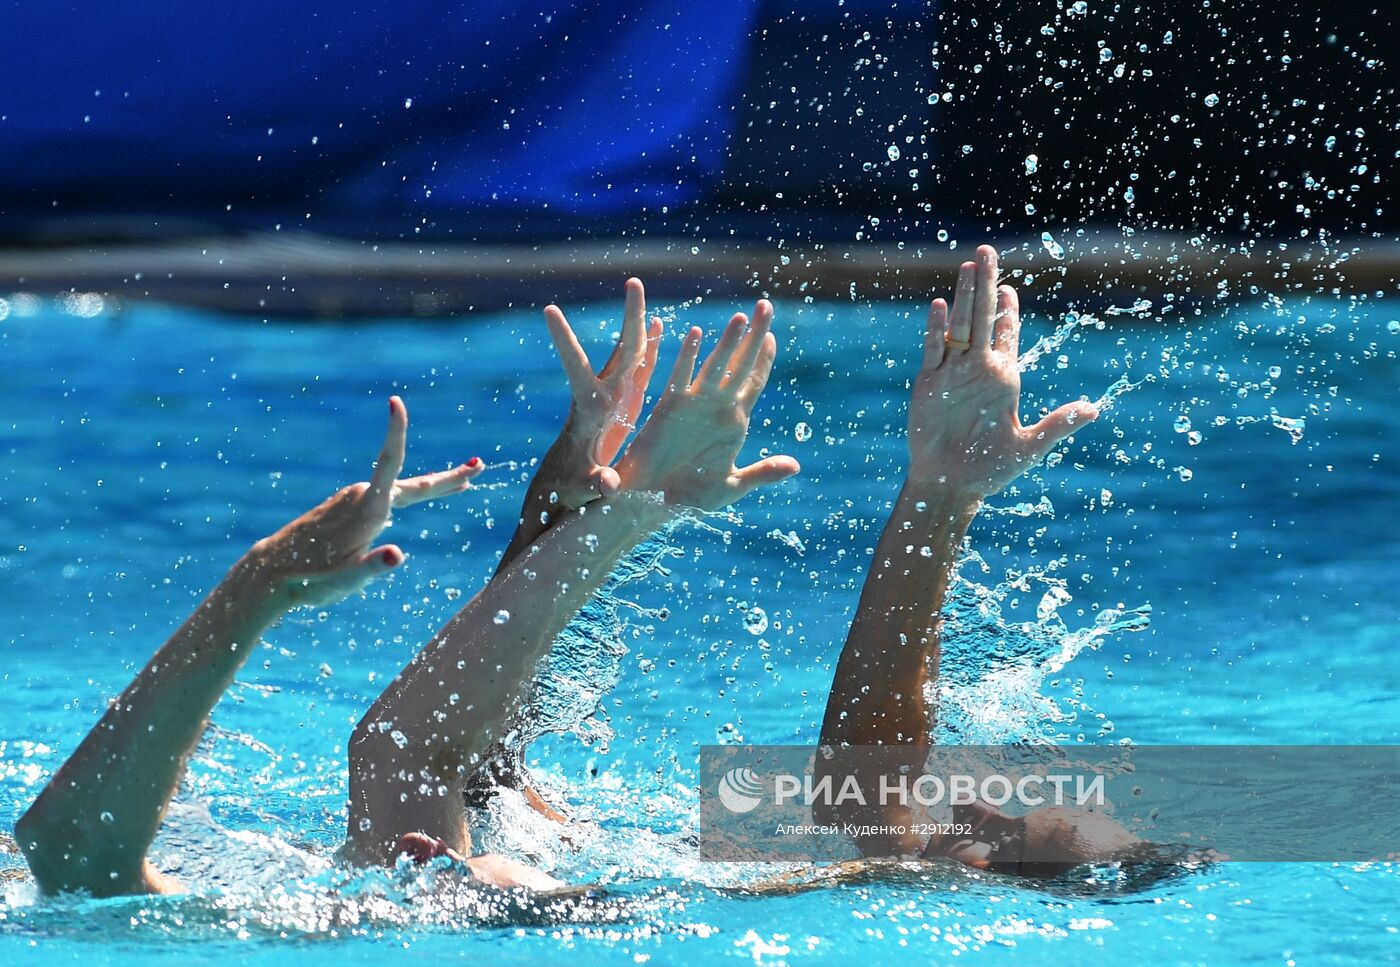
x=1043, y=843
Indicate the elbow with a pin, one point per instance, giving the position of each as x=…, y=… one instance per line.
x=50, y=853
x=42, y=838
x=64, y=857
x=29, y=832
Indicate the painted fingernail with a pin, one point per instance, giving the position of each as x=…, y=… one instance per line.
x=389, y=558
x=473, y=461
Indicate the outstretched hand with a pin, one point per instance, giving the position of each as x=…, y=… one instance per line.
x=965, y=431
x=325, y=555
x=606, y=405
x=686, y=450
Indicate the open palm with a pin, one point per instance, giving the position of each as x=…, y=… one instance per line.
x=606, y=405
x=687, y=450
x=965, y=429
x=325, y=555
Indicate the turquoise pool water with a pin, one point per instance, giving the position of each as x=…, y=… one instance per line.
x=143, y=450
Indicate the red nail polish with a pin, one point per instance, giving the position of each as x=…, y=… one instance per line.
x=391, y=404
x=473, y=461
x=389, y=558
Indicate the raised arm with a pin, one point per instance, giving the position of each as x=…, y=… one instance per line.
x=92, y=824
x=966, y=441
x=577, y=469
x=413, y=750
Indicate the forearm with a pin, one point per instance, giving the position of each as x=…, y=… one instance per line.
x=91, y=825
x=488, y=650
x=413, y=750
x=877, y=697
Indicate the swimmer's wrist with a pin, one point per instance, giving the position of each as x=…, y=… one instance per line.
x=939, y=492
x=644, y=510
x=562, y=477
x=257, y=579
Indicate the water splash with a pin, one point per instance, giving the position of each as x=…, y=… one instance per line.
x=1052, y=342
x=998, y=678
x=586, y=662
x=789, y=539
x=1117, y=390
x=335, y=903
x=1040, y=508
x=1140, y=307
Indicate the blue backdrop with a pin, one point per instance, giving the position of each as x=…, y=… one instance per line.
x=375, y=109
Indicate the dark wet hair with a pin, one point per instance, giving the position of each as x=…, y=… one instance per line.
x=502, y=765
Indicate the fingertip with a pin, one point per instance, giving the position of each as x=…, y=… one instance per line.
x=392, y=556
x=398, y=411
x=656, y=329
x=986, y=253
x=781, y=467
x=633, y=284
x=609, y=483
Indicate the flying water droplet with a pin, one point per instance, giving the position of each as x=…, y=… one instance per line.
x=1051, y=601
x=1293, y=426
x=756, y=621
